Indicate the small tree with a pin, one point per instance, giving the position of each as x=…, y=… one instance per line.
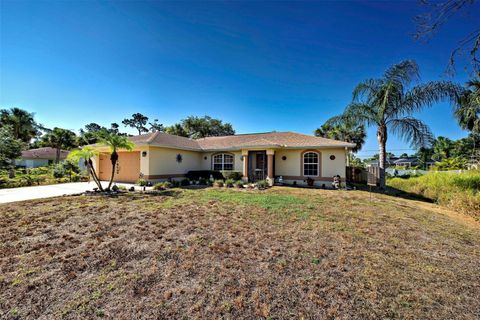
x=10, y=149
x=156, y=126
x=114, y=142
x=201, y=127
x=343, y=130
x=86, y=154
x=137, y=121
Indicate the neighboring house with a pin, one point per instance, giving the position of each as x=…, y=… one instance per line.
x=40, y=157
x=292, y=156
x=402, y=162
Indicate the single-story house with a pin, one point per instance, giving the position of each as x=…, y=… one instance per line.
x=407, y=162
x=40, y=157
x=286, y=155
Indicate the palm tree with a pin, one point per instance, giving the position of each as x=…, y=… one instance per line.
x=442, y=148
x=114, y=142
x=344, y=130
x=60, y=139
x=86, y=154
x=468, y=109
x=21, y=122
x=389, y=102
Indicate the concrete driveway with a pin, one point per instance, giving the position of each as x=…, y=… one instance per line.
x=54, y=190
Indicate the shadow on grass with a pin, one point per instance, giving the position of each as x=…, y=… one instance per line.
x=394, y=192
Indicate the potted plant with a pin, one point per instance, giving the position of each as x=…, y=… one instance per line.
x=310, y=182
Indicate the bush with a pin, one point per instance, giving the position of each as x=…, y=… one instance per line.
x=218, y=183
x=459, y=191
x=202, y=181
x=205, y=174
x=239, y=184
x=229, y=183
x=262, y=184
x=235, y=175
x=142, y=182
x=185, y=182
x=162, y=185
x=175, y=183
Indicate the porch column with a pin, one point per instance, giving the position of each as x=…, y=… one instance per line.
x=245, y=165
x=270, y=154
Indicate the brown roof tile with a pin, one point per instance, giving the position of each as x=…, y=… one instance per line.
x=236, y=142
x=43, y=153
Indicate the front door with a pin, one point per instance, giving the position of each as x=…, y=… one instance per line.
x=257, y=165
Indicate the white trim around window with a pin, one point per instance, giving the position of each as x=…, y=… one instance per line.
x=223, y=162
x=311, y=164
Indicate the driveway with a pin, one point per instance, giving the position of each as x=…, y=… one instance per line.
x=54, y=190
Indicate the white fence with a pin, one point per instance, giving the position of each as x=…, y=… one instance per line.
x=397, y=172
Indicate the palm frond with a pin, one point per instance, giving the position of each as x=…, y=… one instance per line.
x=366, y=88
x=360, y=113
x=427, y=94
x=404, y=72
x=413, y=131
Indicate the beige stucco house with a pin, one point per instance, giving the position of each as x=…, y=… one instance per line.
x=291, y=156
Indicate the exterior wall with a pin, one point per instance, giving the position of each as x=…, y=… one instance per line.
x=162, y=163
x=291, y=169
x=32, y=163
x=207, y=164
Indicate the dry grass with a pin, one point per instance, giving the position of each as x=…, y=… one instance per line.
x=279, y=254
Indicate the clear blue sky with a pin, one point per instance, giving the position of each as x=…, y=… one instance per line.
x=262, y=66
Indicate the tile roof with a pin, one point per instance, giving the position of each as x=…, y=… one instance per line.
x=43, y=153
x=236, y=142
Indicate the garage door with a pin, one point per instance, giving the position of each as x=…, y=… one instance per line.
x=127, y=168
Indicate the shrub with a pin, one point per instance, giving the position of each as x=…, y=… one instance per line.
x=122, y=188
x=239, y=184
x=202, y=181
x=229, y=183
x=218, y=183
x=162, y=185
x=185, y=182
x=235, y=175
x=262, y=184
x=142, y=182
x=175, y=183
x=459, y=191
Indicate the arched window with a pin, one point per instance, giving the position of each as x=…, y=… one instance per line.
x=222, y=162
x=310, y=163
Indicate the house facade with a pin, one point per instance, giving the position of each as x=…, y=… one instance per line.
x=287, y=156
x=40, y=157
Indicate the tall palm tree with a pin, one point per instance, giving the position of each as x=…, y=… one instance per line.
x=21, y=122
x=86, y=154
x=389, y=102
x=114, y=142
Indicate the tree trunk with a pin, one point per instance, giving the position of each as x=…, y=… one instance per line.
x=57, y=155
x=382, y=142
x=94, y=174
x=113, y=159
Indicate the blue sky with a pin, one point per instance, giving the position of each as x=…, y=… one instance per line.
x=262, y=66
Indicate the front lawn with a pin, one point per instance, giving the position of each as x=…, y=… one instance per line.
x=284, y=253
